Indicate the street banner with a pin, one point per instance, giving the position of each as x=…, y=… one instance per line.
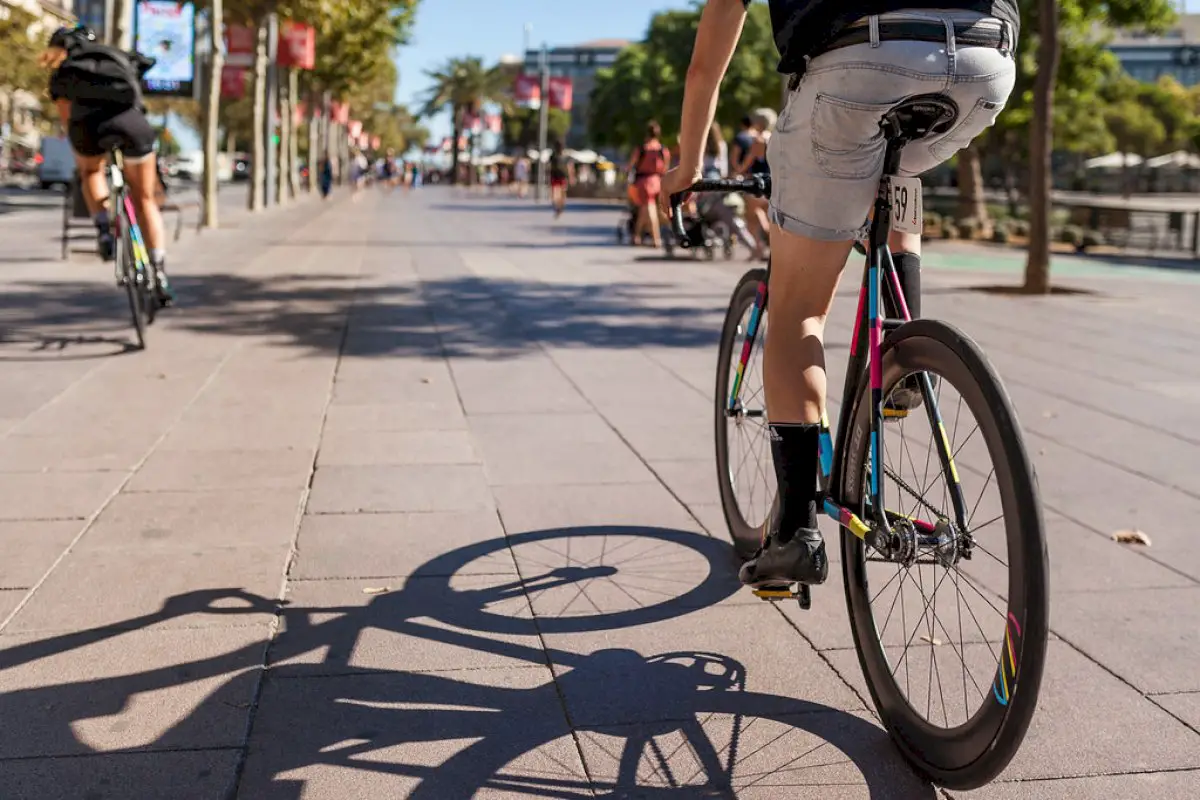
x=233, y=83
x=355, y=128
x=527, y=91
x=560, y=93
x=494, y=123
x=339, y=113
x=297, y=45
x=240, y=43
x=376, y=142
x=165, y=30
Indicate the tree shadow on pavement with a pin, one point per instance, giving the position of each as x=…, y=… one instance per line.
x=331, y=715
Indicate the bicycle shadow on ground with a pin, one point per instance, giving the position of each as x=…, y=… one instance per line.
x=535, y=718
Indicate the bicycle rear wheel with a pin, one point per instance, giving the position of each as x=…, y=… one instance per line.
x=957, y=702
x=744, y=467
x=134, y=281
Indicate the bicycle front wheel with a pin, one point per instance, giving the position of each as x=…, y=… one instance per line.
x=133, y=279
x=951, y=631
x=744, y=468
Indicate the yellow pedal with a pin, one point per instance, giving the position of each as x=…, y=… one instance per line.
x=895, y=413
x=775, y=594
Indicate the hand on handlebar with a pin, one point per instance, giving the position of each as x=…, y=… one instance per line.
x=675, y=181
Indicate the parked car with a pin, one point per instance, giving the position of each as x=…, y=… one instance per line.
x=189, y=166
x=55, y=162
x=241, y=168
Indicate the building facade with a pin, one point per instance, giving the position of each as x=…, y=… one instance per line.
x=580, y=63
x=1149, y=57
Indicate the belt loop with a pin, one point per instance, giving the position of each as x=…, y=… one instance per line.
x=1008, y=39
x=873, y=22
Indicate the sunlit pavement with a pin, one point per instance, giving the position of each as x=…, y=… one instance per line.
x=470, y=450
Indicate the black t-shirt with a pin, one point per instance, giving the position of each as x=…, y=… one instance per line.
x=803, y=27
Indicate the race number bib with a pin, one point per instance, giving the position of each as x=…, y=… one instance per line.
x=908, y=207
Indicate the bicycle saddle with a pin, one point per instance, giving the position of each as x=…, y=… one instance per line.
x=920, y=116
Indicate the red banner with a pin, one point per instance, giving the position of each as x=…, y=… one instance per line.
x=339, y=113
x=354, y=128
x=560, y=93
x=376, y=142
x=241, y=41
x=233, y=83
x=527, y=91
x=297, y=45
x=493, y=123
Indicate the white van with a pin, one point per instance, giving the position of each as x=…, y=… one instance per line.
x=55, y=162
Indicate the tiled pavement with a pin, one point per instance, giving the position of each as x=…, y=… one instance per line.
x=470, y=451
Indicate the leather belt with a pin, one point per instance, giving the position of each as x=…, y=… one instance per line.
x=972, y=35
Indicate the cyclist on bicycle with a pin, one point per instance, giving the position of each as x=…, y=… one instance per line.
x=850, y=61
x=98, y=93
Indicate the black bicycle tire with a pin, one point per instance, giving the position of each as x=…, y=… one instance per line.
x=746, y=538
x=124, y=256
x=974, y=753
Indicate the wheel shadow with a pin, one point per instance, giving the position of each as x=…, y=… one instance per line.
x=535, y=717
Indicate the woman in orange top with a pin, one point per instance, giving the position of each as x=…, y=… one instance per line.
x=649, y=163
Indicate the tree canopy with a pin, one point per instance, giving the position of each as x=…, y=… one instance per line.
x=646, y=81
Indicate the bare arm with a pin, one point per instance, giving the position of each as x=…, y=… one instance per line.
x=64, y=111
x=720, y=28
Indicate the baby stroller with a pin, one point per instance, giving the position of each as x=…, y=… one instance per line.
x=707, y=229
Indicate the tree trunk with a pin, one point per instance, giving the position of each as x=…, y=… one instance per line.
x=284, y=168
x=1037, y=267
x=122, y=19
x=258, y=149
x=293, y=153
x=971, y=202
x=455, y=133
x=314, y=141
x=212, y=109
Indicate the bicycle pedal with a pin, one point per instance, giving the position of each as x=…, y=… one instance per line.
x=895, y=413
x=802, y=594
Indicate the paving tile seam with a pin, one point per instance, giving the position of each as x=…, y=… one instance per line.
x=1194, y=728
x=91, y=520
x=1115, y=464
x=404, y=577
x=1108, y=537
x=549, y=662
x=1129, y=684
x=1102, y=774
x=1079, y=399
x=866, y=702
x=125, y=751
x=1167, y=342
x=279, y=672
x=120, y=628
x=234, y=786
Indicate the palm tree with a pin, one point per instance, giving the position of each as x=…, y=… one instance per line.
x=462, y=86
x=1037, y=267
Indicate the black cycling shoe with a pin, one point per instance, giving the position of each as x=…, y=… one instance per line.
x=106, y=244
x=801, y=559
x=165, y=294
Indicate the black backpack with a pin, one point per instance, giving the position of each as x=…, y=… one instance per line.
x=99, y=74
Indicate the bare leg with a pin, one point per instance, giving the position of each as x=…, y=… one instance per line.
x=143, y=188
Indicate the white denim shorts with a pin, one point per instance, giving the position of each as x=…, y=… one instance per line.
x=826, y=153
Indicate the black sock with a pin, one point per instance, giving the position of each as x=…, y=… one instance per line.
x=794, y=449
x=908, y=269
